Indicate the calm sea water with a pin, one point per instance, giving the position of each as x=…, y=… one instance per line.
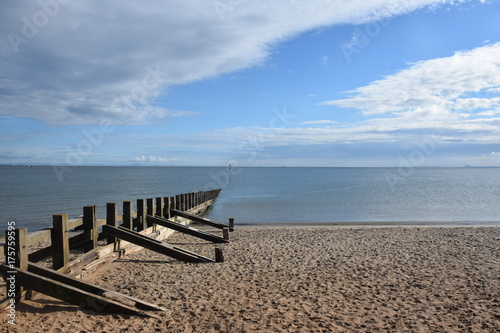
x=30, y=196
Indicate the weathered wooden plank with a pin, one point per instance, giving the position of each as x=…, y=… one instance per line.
x=38, y=236
x=75, y=266
x=40, y=254
x=60, y=241
x=199, y=219
x=186, y=229
x=154, y=245
x=70, y=294
x=85, y=286
x=75, y=242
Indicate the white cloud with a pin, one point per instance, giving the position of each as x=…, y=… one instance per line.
x=153, y=159
x=433, y=88
x=87, y=60
x=319, y=122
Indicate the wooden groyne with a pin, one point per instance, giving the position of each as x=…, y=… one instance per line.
x=75, y=248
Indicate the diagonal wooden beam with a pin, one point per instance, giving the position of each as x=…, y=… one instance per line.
x=186, y=229
x=153, y=244
x=200, y=219
x=85, y=286
x=67, y=293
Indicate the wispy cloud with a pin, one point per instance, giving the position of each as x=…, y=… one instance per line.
x=95, y=60
x=153, y=159
x=442, y=88
x=319, y=122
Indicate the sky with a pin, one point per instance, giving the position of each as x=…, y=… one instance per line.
x=400, y=83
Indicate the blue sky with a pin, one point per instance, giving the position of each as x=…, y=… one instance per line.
x=251, y=83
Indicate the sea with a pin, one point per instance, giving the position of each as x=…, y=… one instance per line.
x=29, y=196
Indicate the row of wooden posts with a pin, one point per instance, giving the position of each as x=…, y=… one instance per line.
x=149, y=214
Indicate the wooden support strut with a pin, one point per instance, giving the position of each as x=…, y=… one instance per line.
x=153, y=244
x=186, y=229
x=199, y=219
x=71, y=294
x=85, y=286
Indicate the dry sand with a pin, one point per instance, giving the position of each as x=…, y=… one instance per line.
x=302, y=279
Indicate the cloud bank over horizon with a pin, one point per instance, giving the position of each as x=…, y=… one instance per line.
x=68, y=62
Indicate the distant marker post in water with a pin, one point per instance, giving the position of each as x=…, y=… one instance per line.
x=229, y=167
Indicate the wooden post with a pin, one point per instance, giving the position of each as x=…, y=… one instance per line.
x=60, y=241
x=219, y=255
x=150, y=210
x=141, y=214
x=231, y=223
x=159, y=207
x=127, y=215
x=90, y=228
x=16, y=255
x=166, y=207
x=111, y=218
x=225, y=233
x=177, y=201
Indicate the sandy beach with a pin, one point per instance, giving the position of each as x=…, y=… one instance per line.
x=302, y=279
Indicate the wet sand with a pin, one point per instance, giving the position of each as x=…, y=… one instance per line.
x=302, y=279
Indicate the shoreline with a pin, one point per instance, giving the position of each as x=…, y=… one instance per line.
x=307, y=279
x=370, y=224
